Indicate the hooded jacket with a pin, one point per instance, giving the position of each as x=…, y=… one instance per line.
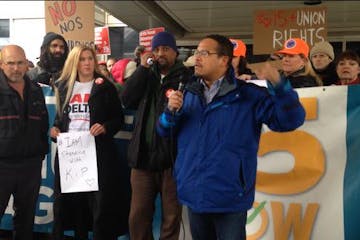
x=216, y=165
x=48, y=69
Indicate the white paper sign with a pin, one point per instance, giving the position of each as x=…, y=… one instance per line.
x=77, y=162
x=261, y=83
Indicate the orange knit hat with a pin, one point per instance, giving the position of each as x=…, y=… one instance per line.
x=239, y=47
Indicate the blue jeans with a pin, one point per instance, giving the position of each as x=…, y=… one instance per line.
x=218, y=226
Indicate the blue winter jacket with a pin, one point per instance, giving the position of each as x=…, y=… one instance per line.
x=215, y=168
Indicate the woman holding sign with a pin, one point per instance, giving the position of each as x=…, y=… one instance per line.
x=88, y=102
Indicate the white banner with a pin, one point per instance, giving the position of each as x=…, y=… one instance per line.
x=300, y=173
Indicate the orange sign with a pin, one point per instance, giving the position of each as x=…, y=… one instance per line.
x=273, y=27
x=146, y=36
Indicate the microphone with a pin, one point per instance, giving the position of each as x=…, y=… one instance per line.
x=150, y=61
x=181, y=87
x=140, y=50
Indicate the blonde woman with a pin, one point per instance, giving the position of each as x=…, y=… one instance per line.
x=87, y=101
x=296, y=65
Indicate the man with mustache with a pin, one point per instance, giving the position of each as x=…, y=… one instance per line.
x=53, y=53
x=151, y=157
x=23, y=140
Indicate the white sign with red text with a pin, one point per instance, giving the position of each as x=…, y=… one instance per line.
x=147, y=35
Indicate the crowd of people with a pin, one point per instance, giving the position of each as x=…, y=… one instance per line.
x=184, y=130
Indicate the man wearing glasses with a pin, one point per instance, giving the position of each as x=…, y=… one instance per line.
x=150, y=156
x=23, y=140
x=218, y=122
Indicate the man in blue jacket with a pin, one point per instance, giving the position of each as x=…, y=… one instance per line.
x=217, y=122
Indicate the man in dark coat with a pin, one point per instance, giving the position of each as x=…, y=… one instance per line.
x=150, y=157
x=23, y=140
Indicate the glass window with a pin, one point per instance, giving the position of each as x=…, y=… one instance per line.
x=354, y=46
x=337, y=48
x=4, y=28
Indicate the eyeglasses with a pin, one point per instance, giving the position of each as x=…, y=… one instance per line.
x=203, y=53
x=13, y=64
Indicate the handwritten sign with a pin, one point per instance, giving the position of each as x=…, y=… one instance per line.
x=74, y=20
x=147, y=35
x=77, y=162
x=273, y=27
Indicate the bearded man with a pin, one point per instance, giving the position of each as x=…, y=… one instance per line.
x=150, y=157
x=53, y=53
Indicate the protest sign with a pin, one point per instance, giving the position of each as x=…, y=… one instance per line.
x=146, y=36
x=77, y=162
x=273, y=27
x=74, y=20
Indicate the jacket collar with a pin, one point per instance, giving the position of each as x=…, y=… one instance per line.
x=228, y=84
x=297, y=73
x=174, y=68
x=99, y=83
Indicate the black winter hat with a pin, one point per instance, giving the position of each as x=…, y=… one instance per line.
x=163, y=39
x=50, y=36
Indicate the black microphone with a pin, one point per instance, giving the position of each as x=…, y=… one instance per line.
x=181, y=88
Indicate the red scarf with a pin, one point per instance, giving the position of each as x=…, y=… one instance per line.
x=353, y=82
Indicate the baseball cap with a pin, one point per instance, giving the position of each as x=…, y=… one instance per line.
x=239, y=48
x=295, y=46
x=190, y=61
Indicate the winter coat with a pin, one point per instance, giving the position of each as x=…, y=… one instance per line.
x=328, y=75
x=24, y=124
x=143, y=90
x=40, y=75
x=216, y=165
x=105, y=108
x=297, y=80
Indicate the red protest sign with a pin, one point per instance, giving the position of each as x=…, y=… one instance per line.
x=102, y=41
x=146, y=36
